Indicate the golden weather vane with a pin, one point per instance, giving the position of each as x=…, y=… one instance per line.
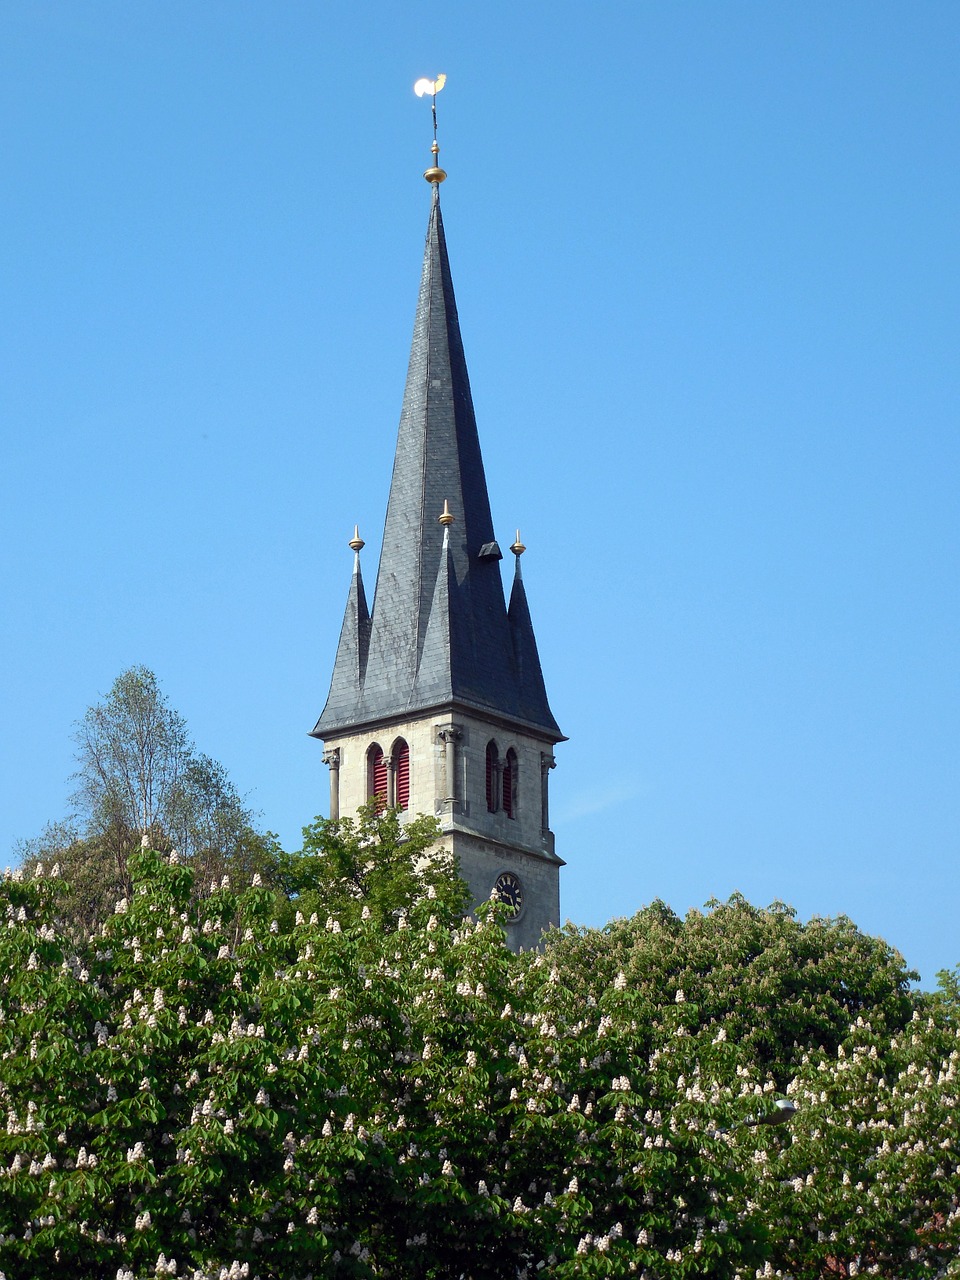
x=421, y=89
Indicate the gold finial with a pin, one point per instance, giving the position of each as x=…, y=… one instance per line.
x=446, y=517
x=518, y=548
x=356, y=543
x=432, y=87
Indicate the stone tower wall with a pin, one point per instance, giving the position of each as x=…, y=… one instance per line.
x=448, y=778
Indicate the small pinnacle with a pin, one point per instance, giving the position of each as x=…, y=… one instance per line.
x=356, y=543
x=518, y=548
x=446, y=517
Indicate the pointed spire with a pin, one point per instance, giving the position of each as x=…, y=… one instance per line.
x=439, y=631
x=533, y=692
x=433, y=685
x=438, y=462
x=350, y=666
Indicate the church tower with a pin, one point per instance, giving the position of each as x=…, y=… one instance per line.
x=437, y=702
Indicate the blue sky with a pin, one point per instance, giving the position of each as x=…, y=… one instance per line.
x=706, y=259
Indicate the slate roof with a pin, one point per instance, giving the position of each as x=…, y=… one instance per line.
x=439, y=633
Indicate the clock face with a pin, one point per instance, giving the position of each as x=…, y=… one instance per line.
x=510, y=891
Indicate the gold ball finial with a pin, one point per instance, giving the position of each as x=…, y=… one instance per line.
x=356, y=543
x=435, y=173
x=446, y=517
x=518, y=548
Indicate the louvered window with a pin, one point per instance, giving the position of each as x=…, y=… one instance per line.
x=493, y=777
x=401, y=763
x=377, y=776
x=510, y=772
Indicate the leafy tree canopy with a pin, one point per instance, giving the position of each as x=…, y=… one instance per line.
x=274, y=1065
x=139, y=778
x=199, y=1092
x=778, y=986
x=945, y=1001
x=376, y=865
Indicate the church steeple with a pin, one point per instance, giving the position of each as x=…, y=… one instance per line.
x=487, y=661
x=437, y=702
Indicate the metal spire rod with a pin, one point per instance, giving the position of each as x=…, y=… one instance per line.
x=432, y=87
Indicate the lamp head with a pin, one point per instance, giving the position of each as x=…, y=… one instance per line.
x=783, y=1110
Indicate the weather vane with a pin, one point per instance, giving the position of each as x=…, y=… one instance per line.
x=421, y=89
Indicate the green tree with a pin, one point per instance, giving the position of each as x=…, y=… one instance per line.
x=374, y=864
x=868, y=1184
x=198, y=1091
x=945, y=1001
x=92, y=879
x=132, y=751
x=777, y=986
x=203, y=1089
x=139, y=779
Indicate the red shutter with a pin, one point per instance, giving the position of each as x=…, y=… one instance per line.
x=492, y=777
x=402, y=766
x=378, y=777
x=510, y=784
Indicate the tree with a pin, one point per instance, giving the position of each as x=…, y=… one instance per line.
x=200, y=1092
x=92, y=878
x=133, y=751
x=869, y=1183
x=204, y=1089
x=778, y=987
x=213, y=829
x=945, y=1001
x=374, y=863
x=140, y=778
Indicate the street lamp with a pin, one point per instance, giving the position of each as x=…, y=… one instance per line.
x=783, y=1110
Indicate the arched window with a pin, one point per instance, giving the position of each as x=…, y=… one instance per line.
x=401, y=777
x=510, y=780
x=377, y=775
x=493, y=777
